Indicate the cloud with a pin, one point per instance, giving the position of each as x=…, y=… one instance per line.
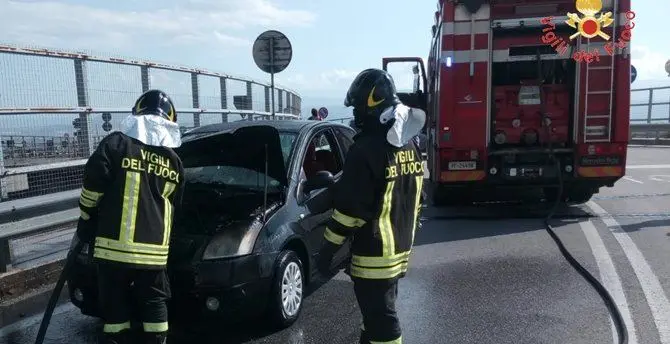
x=337, y=80
x=164, y=24
x=649, y=64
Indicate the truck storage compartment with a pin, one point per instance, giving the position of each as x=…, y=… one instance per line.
x=531, y=111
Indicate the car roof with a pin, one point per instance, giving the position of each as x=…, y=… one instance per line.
x=293, y=126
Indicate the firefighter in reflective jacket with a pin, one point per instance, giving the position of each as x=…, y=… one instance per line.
x=131, y=185
x=377, y=201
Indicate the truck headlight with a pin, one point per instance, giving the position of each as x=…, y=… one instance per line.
x=232, y=242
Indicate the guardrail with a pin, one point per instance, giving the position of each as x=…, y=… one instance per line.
x=650, y=134
x=66, y=219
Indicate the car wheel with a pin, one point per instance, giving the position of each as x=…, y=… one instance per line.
x=287, y=290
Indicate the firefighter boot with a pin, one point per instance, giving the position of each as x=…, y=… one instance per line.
x=122, y=337
x=155, y=338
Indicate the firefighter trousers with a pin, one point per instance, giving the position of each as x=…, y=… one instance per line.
x=124, y=290
x=376, y=299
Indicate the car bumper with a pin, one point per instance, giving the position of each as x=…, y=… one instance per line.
x=235, y=286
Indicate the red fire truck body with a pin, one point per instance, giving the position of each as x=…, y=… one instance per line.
x=501, y=101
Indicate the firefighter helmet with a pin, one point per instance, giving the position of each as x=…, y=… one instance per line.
x=155, y=102
x=371, y=92
x=373, y=89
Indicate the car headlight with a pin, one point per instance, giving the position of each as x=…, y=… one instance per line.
x=232, y=242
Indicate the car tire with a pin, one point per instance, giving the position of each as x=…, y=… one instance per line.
x=288, y=290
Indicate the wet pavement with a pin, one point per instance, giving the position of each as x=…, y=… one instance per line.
x=470, y=282
x=485, y=281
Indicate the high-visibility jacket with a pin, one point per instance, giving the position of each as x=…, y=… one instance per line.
x=129, y=191
x=377, y=201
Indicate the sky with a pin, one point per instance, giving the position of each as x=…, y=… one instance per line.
x=332, y=40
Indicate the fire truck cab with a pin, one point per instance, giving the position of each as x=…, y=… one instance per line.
x=516, y=97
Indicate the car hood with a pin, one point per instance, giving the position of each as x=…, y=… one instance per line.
x=242, y=147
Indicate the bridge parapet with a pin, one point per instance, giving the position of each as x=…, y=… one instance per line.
x=55, y=106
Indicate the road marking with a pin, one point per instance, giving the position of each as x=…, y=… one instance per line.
x=610, y=278
x=34, y=320
x=646, y=167
x=631, y=179
x=660, y=178
x=651, y=286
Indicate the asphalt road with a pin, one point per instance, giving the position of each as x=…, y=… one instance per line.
x=484, y=281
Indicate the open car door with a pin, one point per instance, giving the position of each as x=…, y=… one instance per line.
x=417, y=97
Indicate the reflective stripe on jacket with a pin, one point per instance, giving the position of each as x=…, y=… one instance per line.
x=130, y=189
x=377, y=202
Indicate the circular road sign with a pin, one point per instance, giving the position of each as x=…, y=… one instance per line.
x=667, y=67
x=106, y=126
x=633, y=74
x=106, y=116
x=323, y=112
x=272, y=51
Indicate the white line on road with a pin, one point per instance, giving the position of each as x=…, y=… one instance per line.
x=610, y=278
x=651, y=286
x=631, y=179
x=660, y=178
x=646, y=167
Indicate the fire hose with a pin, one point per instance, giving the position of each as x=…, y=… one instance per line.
x=619, y=323
x=53, y=300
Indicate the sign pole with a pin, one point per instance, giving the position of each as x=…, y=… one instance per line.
x=272, y=53
x=272, y=74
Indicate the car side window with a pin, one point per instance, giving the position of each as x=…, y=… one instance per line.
x=346, y=138
x=322, y=155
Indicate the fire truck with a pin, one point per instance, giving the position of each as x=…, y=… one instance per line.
x=518, y=94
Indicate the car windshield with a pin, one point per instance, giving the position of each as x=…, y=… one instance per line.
x=206, y=170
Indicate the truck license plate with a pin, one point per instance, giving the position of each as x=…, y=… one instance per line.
x=462, y=165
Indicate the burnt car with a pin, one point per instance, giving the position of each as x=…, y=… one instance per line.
x=246, y=238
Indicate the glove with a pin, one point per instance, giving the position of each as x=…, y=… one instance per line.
x=347, y=266
x=86, y=230
x=326, y=258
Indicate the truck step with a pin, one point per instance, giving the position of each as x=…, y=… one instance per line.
x=598, y=92
x=600, y=68
x=597, y=116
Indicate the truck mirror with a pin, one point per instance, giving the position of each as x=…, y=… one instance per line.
x=434, y=29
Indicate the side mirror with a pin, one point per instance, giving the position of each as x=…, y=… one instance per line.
x=321, y=180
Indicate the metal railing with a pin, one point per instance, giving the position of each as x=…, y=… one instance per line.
x=652, y=104
x=56, y=106
x=654, y=128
